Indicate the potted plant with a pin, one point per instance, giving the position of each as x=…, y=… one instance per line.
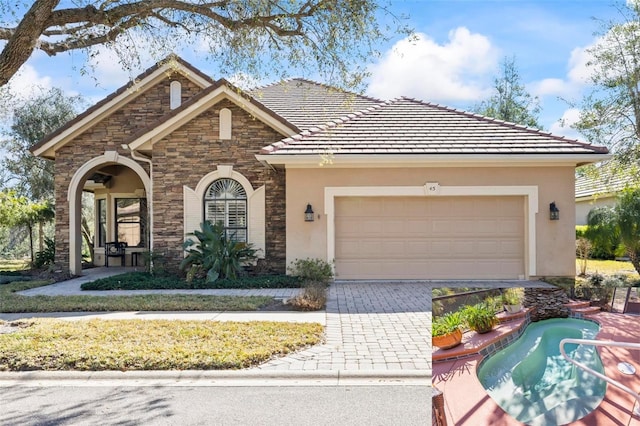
x=445, y=330
x=511, y=300
x=480, y=318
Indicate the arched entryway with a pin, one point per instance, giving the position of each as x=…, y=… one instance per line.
x=123, y=181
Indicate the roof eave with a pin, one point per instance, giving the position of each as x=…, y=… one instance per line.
x=421, y=160
x=134, y=89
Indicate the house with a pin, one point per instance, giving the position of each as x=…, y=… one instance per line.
x=600, y=191
x=399, y=189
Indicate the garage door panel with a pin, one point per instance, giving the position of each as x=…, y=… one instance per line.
x=429, y=237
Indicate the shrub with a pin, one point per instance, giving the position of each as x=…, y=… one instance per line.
x=312, y=298
x=47, y=256
x=146, y=281
x=596, y=280
x=214, y=255
x=583, y=248
x=312, y=270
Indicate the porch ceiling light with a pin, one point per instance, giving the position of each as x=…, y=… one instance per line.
x=308, y=214
x=554, y=212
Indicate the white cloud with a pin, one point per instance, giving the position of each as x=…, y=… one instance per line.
x=27, y=82
x=447, y=73
x=562, y=127
x=571, y=86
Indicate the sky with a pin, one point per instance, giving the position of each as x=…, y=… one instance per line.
x=453, y=60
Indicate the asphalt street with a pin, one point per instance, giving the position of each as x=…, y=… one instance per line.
x=215, y=405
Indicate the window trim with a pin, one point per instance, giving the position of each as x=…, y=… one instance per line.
x=142, y=223
x=243, y=199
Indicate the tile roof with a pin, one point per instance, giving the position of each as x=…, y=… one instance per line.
x=306, y=103
x=605, y=183
x=408, y=126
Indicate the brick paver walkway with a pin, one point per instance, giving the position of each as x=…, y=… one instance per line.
x=370, y=326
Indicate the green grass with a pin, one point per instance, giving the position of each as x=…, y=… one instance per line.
x=13, y=265
x=13, y=303
x=145, y=281
x=47, y=344
x=608, y=267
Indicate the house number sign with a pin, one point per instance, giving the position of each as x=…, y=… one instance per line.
x=432, y=188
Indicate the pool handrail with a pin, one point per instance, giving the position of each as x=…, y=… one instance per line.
x=605, y=343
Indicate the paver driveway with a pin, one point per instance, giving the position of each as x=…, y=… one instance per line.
x=371, y=326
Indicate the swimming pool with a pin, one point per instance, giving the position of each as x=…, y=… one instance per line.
x=531, y=380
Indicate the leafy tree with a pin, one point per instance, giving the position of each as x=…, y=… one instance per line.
x=610, y=112
x=27, y=174
x=622, y=220
x=330, y=36
x=18, y=211
x=510, y=100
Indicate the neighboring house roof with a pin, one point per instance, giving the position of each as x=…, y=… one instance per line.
x=588, y=186
x=306, y=103
x=115, y=100
x=408, y=126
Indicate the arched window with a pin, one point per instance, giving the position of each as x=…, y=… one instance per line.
x=175, y=94
x=225, y=201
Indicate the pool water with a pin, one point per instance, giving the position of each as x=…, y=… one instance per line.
x=532, y=382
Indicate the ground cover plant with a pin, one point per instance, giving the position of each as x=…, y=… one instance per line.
x=11, y=302
x=48, y=344
x=146, y=281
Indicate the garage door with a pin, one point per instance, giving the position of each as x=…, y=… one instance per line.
x=429, y=237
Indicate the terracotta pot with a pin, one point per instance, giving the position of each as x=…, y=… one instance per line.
x=448, y=341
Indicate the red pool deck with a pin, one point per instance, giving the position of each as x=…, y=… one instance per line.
x=466, y=402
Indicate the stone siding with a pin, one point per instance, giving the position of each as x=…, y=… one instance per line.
x=107, y=135
x=188, y=154
x=546, y=303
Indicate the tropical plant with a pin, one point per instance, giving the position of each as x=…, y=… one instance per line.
x=312, y=270
x=215, y=255
x=622, y=220
x=47, y=256
x=447, y=323
x=480, y=318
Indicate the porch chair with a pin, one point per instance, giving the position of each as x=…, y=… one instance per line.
x=115, y=249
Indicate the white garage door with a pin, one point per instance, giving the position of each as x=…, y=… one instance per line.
x=429, y=237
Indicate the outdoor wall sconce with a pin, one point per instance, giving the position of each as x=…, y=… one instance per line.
x=308, y=214
x=554, y=212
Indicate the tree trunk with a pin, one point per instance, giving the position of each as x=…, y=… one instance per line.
x=40, y=236
x=86, y=234
x=634, y=257
x=31, y=242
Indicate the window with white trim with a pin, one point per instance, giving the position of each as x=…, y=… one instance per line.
x=225, y=201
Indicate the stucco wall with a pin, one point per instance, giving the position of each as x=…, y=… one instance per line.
x=583, y=207
x=555, y=248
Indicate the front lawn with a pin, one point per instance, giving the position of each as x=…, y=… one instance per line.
x=608, y=267
x=13, y=303
x=47, y=344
